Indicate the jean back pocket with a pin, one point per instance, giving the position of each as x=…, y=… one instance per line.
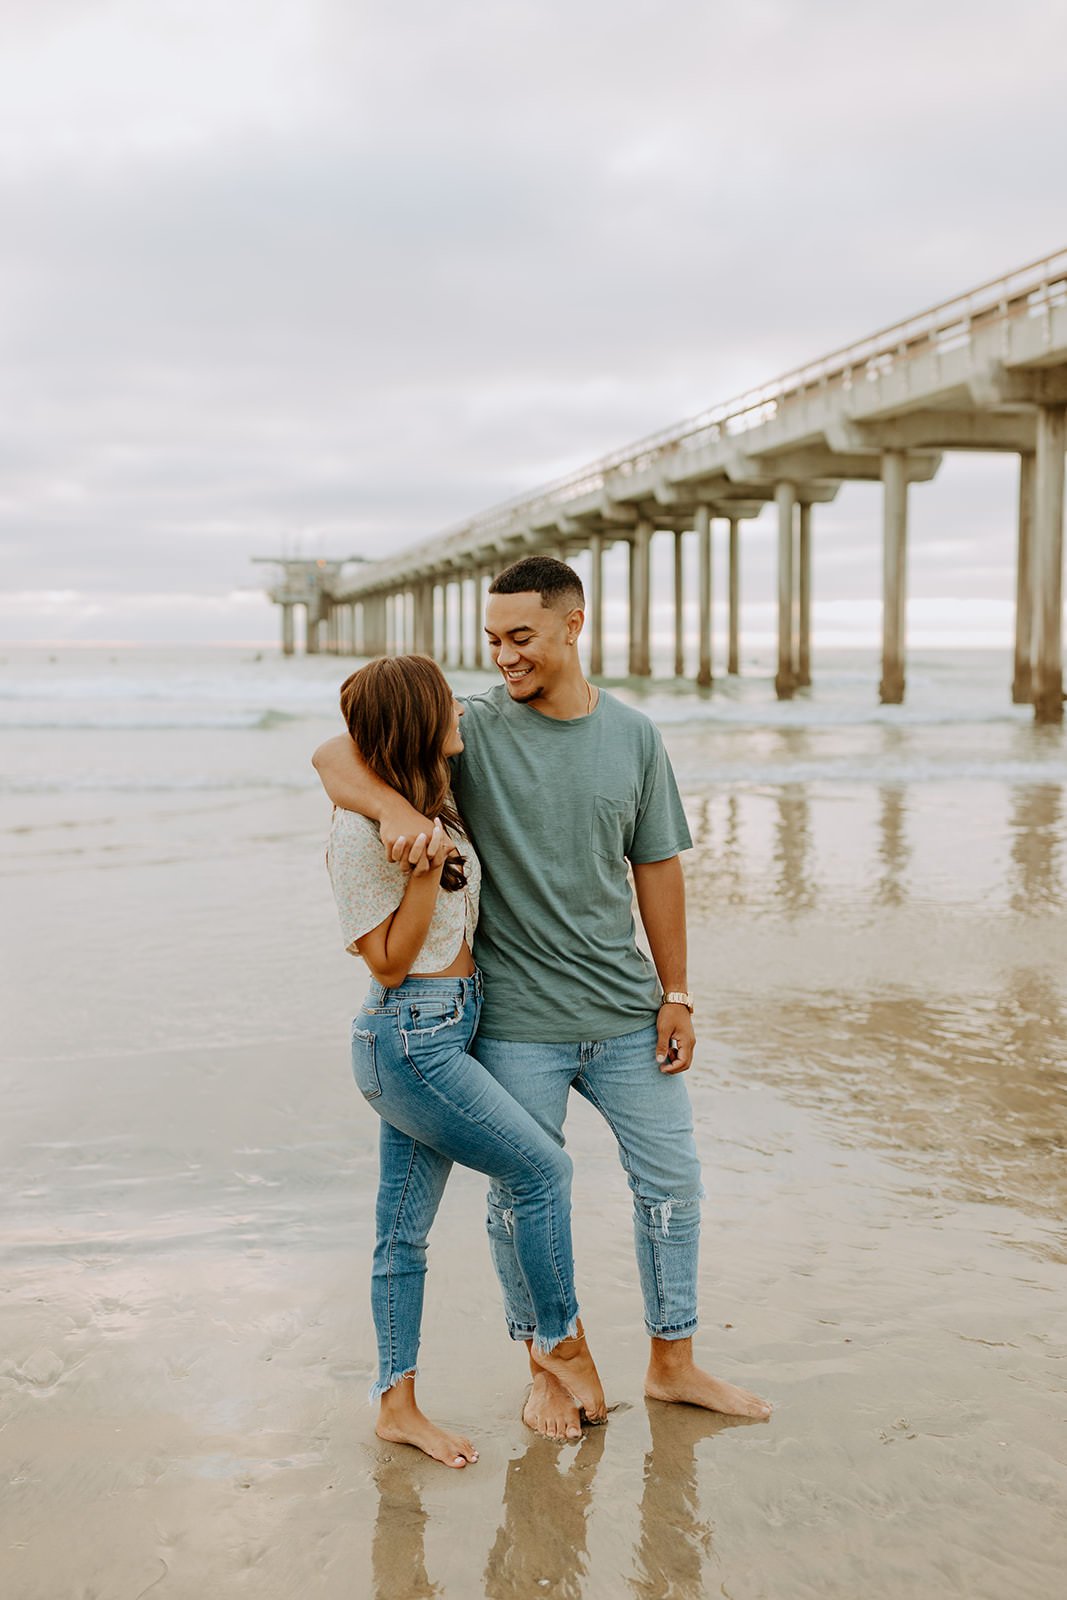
x=365, y=1064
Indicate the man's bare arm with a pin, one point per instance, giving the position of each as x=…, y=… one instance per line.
x=660, y=889
x=351, y=785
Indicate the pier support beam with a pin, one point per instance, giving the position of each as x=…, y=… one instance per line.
x=679, y=605
x=424, y=619
x=311, y=631
x=288, y=631
x=702, y=524
x=785, y=498
x=1022, y=688
x=894, y=575
x=596, y=605
x=733, y=650
x=479, y=618
x=804, y=598
x=1048, y=563
x=378, y=643
x=641, y=601
x=461, y=642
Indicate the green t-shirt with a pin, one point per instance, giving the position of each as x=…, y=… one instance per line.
x=555, y=809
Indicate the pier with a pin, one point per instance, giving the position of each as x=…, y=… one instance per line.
x=986, y=370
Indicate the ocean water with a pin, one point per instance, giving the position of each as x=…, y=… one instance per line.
x=957, y=722
x=151, y=793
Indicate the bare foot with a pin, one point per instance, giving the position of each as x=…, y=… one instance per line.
x=572, y=1363
x=550, y=1410
x=681, y=1382
x=401, y=1422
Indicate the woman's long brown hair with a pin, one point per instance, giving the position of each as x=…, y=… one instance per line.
x=399, y=713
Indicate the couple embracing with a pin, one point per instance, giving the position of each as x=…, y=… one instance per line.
x=479, y=855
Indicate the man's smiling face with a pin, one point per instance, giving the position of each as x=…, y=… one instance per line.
x=528, y=642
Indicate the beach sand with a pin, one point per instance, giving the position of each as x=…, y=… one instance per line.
x=188, y=1178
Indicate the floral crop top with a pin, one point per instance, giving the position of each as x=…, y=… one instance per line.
x=368, y=887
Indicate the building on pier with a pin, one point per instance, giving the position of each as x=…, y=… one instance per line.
x=986, y=370
x=312, y=586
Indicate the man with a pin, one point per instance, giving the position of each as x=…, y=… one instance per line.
x=561, y=786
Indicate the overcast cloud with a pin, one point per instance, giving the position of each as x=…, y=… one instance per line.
x=346, y=272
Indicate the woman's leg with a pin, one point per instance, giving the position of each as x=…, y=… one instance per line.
x=442, y=1097
x=411, y=1183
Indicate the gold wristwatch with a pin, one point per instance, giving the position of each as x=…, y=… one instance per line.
x=676, y=998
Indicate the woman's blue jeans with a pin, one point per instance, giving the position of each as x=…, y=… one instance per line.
x=439, y=1105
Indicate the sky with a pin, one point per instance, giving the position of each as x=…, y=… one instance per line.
x=328, y=276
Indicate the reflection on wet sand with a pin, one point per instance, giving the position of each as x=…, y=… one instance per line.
x=793, y=850
x=541, y=1545
x=1037, y=827
x=398, y=1553
x=675, y=1544
x=973, y=1085
x=893, y=853
x=812, y=861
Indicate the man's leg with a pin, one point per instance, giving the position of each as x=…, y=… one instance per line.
x=650, y=1115
x=539, y=1077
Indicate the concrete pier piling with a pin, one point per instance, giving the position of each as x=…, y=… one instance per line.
x=641, y=600
x=1022, y=691
x=1048, y=562
x=986, y=370
x=596, y=605
x=702, y=520
x=679, y=604
x=785, y=499
x=894, y=568
x=734, y=622
x=803, y=664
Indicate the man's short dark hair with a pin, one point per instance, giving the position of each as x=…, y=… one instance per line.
x=557, y=584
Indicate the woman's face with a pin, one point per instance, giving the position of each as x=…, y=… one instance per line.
x=454, y=742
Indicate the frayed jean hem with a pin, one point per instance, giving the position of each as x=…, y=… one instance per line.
x=545, y=1347
x=542, y=1346
x=385, y=1384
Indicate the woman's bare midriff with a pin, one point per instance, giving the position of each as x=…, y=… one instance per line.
x=462, y=967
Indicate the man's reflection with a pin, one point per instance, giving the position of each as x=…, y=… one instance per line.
x=540, y=1547
x=675, y=1543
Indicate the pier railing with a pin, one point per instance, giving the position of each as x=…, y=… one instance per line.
x=1030, y=291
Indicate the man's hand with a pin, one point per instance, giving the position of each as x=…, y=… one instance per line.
x=675, y=1039
x=400, y=826
x=426, y=854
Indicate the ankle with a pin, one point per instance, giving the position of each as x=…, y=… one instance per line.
x=399, y=1401
x=670, y=1355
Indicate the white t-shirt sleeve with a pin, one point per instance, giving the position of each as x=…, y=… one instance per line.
x=367, y=886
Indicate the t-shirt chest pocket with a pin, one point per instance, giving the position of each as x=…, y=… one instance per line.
x=612, y=827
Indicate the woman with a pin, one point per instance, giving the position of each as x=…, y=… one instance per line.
x=413, y=924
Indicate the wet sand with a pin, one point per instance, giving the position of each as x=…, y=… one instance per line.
x=188, y=1179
